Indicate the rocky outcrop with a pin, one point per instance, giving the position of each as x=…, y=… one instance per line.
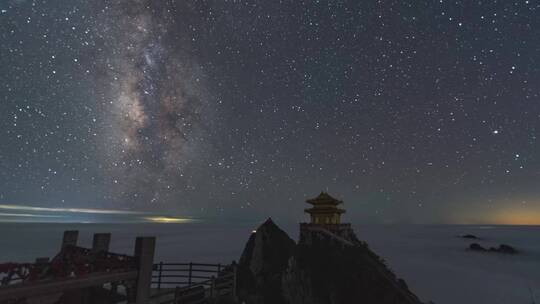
x=340, y=269
x=505, y=249
x=262, y=263
x=476, y=247
x=324, y=268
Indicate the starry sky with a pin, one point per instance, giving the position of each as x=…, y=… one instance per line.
x=409, y=111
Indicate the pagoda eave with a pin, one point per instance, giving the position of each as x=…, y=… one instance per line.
x=324, y=211
x=316, y=202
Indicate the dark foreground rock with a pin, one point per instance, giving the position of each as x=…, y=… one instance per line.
x=470, y=236
x=323, y=268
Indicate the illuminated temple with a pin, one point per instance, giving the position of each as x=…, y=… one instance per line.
x=325, y=215
x=324, y=210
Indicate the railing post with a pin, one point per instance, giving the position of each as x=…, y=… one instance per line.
x=101, y=242
x=190, y=271
x=144, y=254
x=218, y=269
x=212, y=286
x=235, y=267
x=70, y=238
x=159, y=275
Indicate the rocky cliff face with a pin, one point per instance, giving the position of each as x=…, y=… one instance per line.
x=262, y=263
x=334, y=270
x=322, y=269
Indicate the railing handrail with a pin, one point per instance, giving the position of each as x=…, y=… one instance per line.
x=332, y=235
x=185, y=269
x=193, y=264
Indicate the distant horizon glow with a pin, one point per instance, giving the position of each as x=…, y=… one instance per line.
x=69, y=215
x=167, y=219
x=4, y=214
x=518, y=217
x=70, y=210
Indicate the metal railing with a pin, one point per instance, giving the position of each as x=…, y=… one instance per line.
x=192, y=282
x=167, y=275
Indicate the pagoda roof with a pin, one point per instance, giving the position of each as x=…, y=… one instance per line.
x=316, y=210
x=324, y=199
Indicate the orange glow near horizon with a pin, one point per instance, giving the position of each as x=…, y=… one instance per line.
x=519, y=211
x=517, y=217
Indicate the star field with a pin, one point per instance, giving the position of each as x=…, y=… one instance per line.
x=422, y=112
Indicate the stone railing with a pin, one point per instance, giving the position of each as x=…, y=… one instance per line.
x=342, y=233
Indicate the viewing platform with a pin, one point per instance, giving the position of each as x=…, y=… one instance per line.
x=78, y=275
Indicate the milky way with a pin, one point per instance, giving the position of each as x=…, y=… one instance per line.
x=158, y=102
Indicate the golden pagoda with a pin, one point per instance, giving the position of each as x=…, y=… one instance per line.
x=324, y=210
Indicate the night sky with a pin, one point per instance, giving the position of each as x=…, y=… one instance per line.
x=410, y=112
